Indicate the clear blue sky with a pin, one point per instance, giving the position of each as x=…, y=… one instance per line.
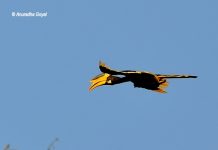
x=46, y=65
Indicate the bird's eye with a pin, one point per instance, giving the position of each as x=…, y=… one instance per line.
x=109, y=81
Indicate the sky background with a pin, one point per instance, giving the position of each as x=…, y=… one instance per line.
x=46, y=65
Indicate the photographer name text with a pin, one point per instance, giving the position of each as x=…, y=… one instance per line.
x=29, y=14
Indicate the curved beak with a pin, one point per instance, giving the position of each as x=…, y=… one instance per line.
x=99, y=80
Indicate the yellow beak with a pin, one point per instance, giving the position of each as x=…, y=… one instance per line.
x=98, y=81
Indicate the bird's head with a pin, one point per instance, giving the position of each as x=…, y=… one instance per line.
x=99, y=80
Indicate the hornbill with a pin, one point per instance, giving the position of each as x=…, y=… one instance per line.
x=140, y=79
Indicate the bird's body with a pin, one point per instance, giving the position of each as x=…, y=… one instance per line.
x=140, y=79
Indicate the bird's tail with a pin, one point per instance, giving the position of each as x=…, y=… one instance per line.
x=176, y=76
x=163, y=84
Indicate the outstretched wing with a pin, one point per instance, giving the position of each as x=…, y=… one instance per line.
x=105, y=69
x=163, y=82
x=175, y=76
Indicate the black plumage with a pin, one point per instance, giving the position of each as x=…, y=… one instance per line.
x=140, y=79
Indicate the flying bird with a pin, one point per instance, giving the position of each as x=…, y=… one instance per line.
x=140, y=79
